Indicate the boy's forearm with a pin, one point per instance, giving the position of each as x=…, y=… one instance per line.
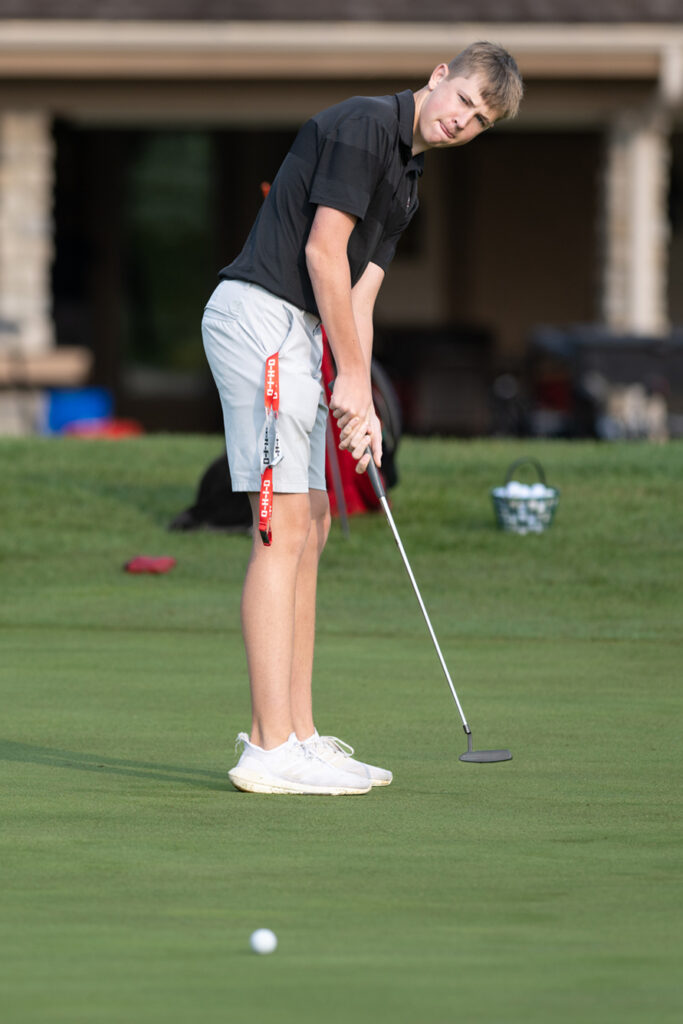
x=331, y=282
x=365, y=336
x=363, y=298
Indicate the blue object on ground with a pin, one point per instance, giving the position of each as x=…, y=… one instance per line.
x=74, y=405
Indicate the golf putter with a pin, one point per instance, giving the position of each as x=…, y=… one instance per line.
x=471, y=756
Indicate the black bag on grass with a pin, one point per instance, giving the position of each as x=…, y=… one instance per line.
x=217, y=507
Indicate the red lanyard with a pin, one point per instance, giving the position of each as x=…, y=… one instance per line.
x=271, y=454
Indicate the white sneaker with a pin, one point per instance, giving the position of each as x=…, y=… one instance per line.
x=338, y=754
x=291, y=768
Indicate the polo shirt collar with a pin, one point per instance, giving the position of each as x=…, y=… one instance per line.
x=406, y=116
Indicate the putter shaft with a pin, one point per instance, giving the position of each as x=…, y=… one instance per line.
x=378, y=488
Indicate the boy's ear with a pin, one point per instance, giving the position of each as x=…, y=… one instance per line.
x=438, y=74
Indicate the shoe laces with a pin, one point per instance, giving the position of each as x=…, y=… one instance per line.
x=305, y=750
x=334, y=743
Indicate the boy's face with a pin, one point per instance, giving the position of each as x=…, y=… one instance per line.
x=452, y=112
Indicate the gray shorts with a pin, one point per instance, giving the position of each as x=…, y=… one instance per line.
x=243, y=324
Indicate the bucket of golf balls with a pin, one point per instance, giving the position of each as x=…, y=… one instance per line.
x=525, y=508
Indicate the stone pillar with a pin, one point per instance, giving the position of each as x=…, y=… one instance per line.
x=636, y=230
x=26, y=183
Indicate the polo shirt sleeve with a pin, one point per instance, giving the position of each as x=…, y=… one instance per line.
x=350, y=165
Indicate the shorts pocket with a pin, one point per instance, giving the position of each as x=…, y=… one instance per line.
x=234, y=311
x=300, y=399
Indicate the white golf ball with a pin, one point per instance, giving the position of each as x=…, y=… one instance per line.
x=263, y=941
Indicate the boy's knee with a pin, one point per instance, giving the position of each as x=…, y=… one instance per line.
x=290, y=523
x=291, y=532
x=321, y=518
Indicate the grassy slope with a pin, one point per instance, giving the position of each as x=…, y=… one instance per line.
x=543, y=889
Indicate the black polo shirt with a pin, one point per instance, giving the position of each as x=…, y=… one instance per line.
x=355, y=157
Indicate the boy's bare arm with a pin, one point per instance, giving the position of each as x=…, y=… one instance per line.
x=328, y=268
x=363, y=297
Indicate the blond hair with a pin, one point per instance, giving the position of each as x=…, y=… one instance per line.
x=503, y=88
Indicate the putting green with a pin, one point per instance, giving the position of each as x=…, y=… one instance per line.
x=543, y=889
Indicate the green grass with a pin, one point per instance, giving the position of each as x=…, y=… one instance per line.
x=542, y=890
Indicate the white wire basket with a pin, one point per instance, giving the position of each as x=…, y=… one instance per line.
x=525, y=508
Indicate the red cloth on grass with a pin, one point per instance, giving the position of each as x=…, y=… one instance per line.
x=150, y=563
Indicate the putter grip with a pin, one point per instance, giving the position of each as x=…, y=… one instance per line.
x=375, y=478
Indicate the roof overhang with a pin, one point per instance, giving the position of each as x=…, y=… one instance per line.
x=43, y=49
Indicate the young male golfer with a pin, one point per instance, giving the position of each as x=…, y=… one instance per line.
x=317, y=253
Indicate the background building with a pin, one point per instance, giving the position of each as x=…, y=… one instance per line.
x=134, y=137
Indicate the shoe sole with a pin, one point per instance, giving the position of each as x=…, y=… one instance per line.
x=248, y=782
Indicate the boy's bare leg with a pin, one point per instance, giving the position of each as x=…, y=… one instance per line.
x=268, y=616
x=304, y=621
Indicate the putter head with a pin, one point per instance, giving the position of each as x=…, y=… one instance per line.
x=485, y=756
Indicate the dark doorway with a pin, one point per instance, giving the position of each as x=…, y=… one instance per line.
x=144, y=220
